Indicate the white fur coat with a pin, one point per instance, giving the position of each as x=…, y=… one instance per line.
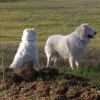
x=27, y=51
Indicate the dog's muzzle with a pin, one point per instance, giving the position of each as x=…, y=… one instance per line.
x=90, y=36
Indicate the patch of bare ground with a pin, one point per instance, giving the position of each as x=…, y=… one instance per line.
x=44, y=84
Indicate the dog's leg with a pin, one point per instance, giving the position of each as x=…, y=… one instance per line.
x=77, y=64
x=48, y=59
x=72, y=62
x=55, y=60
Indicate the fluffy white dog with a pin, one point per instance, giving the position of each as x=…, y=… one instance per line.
x=70, y=46
x=27, y=50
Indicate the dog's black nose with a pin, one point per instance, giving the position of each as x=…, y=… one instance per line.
x=95, y=33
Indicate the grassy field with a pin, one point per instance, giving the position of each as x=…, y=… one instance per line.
x=50, y=17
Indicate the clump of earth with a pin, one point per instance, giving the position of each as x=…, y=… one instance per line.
x=43, y=83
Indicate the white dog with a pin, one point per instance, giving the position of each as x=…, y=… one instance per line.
x=27, y=50
x=69, y=46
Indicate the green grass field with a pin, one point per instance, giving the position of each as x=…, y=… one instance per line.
x=50, y=17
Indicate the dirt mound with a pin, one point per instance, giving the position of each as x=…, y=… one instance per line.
x=30, y=74
x=45, y=84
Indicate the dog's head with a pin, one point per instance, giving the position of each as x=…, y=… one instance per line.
x=29, y=34
x=86, y=31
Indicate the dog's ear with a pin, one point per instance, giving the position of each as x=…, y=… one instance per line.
x=82, y=29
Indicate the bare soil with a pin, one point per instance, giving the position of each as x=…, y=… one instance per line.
x=45, y=84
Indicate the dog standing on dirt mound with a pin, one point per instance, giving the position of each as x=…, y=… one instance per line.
x=70, y=46
x=27, y=51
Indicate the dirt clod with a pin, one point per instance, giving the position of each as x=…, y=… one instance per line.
x=44, y=83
